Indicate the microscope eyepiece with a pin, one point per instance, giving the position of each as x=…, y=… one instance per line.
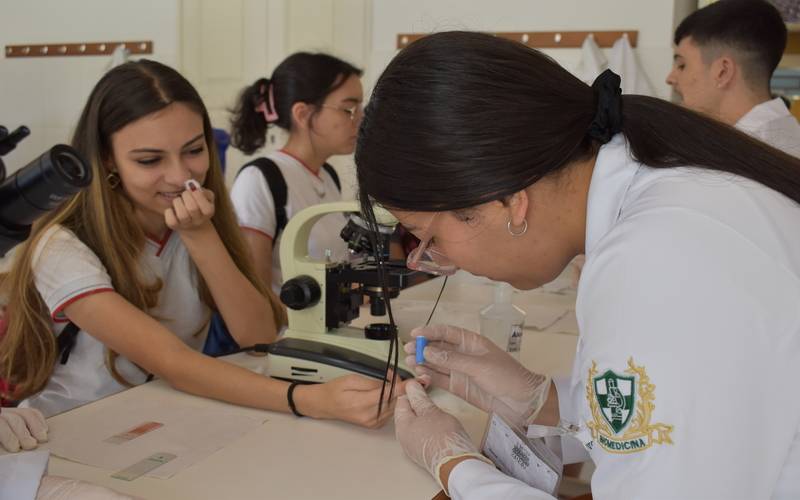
x=66, y=161
x=38, y=188
x=10, y=140
x=42, y=185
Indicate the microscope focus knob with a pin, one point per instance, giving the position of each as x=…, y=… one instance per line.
x=300, y=292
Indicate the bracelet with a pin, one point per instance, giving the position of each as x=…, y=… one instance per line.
x=290, y=398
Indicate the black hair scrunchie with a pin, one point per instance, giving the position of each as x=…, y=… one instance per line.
x=608, y=95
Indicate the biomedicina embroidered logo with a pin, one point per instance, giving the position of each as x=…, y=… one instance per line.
x=624, y=403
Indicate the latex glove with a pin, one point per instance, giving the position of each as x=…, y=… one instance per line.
x=61, y=488
x=22, y=428
x=473, y=368
x=429, y=436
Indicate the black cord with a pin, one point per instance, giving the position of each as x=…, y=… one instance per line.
x=393, y=359
x=441, y=291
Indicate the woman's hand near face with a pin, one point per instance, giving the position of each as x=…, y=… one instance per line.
x=192, y=211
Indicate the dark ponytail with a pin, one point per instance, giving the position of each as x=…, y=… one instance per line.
x=301, y=77
x=679, y=137
x=248, y=126
x=446, y=131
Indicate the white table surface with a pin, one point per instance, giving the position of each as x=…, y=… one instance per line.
x=300, y=458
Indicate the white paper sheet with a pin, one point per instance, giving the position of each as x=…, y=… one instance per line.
x=190, y=432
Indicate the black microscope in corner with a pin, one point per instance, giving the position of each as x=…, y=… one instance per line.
x=36, y=188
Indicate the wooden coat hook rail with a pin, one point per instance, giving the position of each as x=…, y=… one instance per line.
x=546, y=39
x=77, y=49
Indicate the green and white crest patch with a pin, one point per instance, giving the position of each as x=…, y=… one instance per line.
x=616, y=395
x=622, y=410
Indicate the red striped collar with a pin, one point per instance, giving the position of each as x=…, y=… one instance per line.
x=290, y=155
x=159, y=243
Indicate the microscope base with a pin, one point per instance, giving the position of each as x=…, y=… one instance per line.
x=321, y=357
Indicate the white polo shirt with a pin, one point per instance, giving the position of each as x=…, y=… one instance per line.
x=772, y=123
x=685, y=378
x=255, y=208
x=65, y=270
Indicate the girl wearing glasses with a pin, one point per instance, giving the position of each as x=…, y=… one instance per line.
x=507, y=166
x=317, y=99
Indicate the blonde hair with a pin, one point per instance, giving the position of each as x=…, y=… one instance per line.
x=103, y=219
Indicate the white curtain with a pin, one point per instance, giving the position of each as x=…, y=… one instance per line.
x=622, y=60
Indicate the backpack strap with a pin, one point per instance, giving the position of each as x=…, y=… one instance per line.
x=66, y=341
x=278, y=189
x=332, y=172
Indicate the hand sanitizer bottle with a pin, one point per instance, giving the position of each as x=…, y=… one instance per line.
x=501, y=321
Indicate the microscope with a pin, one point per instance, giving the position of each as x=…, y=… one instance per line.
x=322, y=297
x=36, y=188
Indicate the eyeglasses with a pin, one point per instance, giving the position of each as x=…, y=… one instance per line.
x=354, y=110
x=428, y=260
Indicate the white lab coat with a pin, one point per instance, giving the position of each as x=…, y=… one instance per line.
x=772, y=123
x=684, y=382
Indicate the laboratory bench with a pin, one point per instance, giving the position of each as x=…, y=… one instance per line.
x=301, y=458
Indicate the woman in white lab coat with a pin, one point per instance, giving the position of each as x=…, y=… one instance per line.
x=507, y=166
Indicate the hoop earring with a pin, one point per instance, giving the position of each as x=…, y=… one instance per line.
x=524, y=228
x=113, y=180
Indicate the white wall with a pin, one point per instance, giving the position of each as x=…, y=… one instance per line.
x=338, y=27
x=364, y=33
x=48, y=93
x=222, y=45
x=654, y=19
